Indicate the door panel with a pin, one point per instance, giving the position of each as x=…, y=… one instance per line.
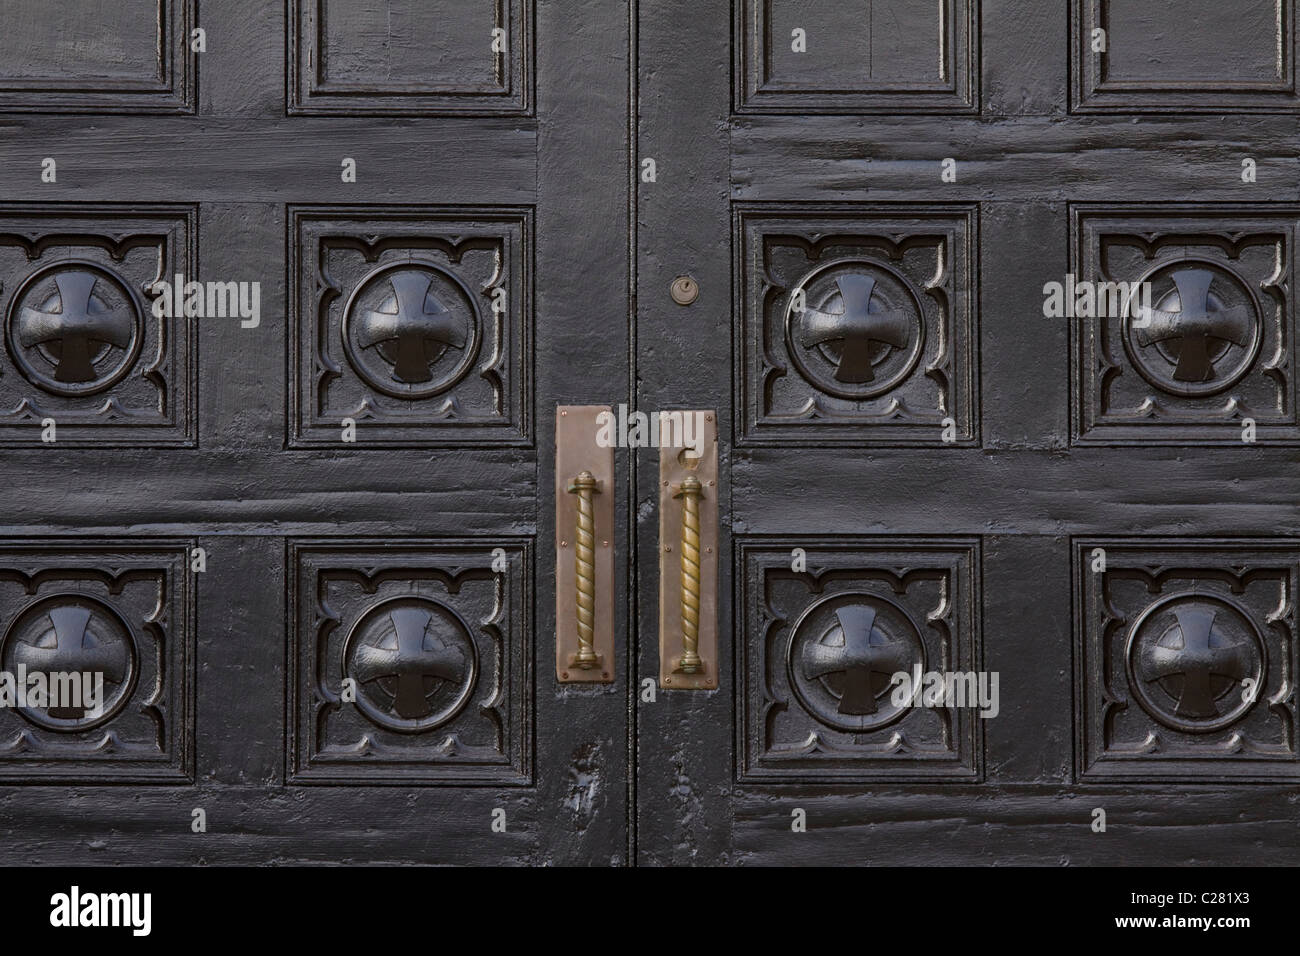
x=810, y=712
x=128, y=57
x=126, y=612
x=404, y=56
x=467, y=382
x=357, y=671
x=1143, y=386
x=889, y=57
x=1242, y=57
x=920, y=467
x=79, y=346
x=879, y=348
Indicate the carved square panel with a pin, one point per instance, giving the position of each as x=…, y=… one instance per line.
x=1212, y=348
x=81, y=343
x=412, y=322
x=114, y=616
x=1192, y=56
x=127, y=56
x=858, y=325
x=410, y=56
x=1186, y=668
x=820, y=642
x=877, y=56
x=411, y=662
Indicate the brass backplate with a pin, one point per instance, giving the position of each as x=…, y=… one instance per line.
x=576, y=451
x=676, y=466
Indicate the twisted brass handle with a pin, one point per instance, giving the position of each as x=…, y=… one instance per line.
x=690, y=491
x=584, y=486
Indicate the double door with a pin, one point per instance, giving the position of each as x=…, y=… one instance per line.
x=316, y=517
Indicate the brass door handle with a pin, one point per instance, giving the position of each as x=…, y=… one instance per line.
x=584, y=566
x=688, y=559
x=690, y=491
x=584, y=558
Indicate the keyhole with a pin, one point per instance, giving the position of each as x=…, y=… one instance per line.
x=685, y=290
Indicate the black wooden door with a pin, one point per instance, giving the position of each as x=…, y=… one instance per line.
x=300, y=516
x=307, y=544
x=924, y=471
